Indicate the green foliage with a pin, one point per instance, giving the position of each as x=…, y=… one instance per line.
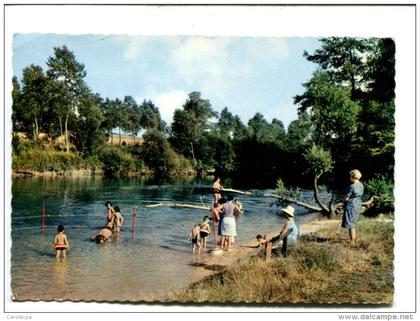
x=116, y=161
x=280, y=188
x=383, y=188
x=45, y=159
x=89, y=134
x=190, y=125
x=344, y=61
x=157, y=153
x=150, y=116
x=319, y=160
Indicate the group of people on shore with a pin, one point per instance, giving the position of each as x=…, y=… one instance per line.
x=225, y=213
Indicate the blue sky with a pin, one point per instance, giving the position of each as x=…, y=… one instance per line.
x=246, y=74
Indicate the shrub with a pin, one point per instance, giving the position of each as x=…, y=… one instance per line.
x=45, y=159
x=383, y=188
x=116, y=162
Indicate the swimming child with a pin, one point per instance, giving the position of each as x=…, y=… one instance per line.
x=204, y=232
x=61, y=243
x=104, y=235
x=194, y=237
x=118, y=219
x=110, y=215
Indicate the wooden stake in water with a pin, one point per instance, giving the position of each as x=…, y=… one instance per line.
x=43, y=219
x=133, y=224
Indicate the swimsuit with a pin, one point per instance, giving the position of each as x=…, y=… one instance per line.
x=204, y=233
x=194, y=241
x=61, y=247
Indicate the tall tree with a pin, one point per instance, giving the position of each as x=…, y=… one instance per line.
x=68, y=76
x=190, y=124
x=34, y=97
x=132, y=114
x=150, y=116
x=17, y=112
x=90, y=134
x=344, y=60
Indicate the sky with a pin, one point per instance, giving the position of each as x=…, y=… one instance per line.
x=245, y=74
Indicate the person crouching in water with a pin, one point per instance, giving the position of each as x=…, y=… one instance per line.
x=61, y=243
x=204, y=232
x=104, y=235
x=194, y=237
x=118, y=219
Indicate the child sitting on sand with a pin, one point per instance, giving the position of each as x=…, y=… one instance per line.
x=194, y=237
x=61, y=243
x=118, y=219
x=204, y=232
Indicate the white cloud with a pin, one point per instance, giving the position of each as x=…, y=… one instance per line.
x=134, y=48
x=168, y=101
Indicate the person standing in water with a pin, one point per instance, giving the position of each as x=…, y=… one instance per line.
x=217, y=187
x=61, y=243
x=118, y=219
x=194, y=237
x=353, y=202
x=110, y=215
x=228, y=224
x=204, y=232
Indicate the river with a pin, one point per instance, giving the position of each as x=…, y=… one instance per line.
x=155, y=263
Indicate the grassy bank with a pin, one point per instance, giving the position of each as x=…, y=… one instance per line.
x=323, y=268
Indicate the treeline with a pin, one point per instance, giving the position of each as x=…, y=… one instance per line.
x=346, y=118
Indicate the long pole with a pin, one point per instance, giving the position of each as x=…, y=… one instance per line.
x=133, y=224
x=214, y=230
x=43, y=219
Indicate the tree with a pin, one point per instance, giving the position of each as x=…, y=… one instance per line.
x=344, y=60
x=150, y=116
x=17, y=112
x=90, y=135
x=298, y=133
x=320, y=162
x=67, y=74
x=156, y=152
x=34, y=99
x=189, y=125
x=132, y=115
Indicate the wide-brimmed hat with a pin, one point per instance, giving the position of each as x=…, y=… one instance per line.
x=289, y=210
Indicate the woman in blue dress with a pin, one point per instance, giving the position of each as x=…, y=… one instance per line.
x=353, y=204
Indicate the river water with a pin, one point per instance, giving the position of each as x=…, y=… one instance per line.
x=155, y=263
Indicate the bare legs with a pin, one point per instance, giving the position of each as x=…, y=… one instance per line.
x=352, y=234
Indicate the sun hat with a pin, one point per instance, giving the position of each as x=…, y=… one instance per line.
x=355, y=173
x=289, y=210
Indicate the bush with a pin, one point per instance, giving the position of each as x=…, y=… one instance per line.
x=179, y=163
x=45, y=159
x=383, y=188
x=116, y=162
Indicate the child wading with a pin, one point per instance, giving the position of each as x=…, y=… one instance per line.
x=204, y=232
x=61, y=243
x=194, y=237
x=118, y=219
